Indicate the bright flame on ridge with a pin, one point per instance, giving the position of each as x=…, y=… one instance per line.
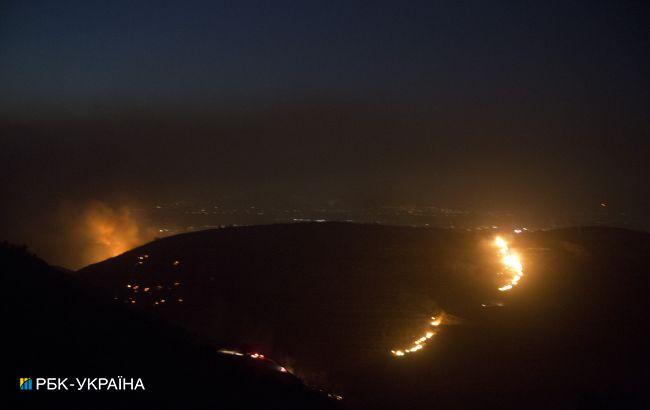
x=420, y=342
x=511, y=264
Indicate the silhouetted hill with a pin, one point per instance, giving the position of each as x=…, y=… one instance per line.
x=57, y=326
x=332, y=299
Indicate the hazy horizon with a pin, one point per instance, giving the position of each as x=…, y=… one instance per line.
x=535, y=109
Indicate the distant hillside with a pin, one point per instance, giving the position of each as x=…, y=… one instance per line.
x=332, y=299
x=57, y=326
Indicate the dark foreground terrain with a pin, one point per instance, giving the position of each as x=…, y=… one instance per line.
x=56, y=326
x=329, y=302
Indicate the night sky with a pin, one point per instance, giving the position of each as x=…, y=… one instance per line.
x=486, y=105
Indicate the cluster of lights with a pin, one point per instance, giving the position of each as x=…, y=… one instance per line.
x=146, y=289
x=137, y=288
x=419, y=343
x=141, y=259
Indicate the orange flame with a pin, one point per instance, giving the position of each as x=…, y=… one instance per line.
x=420, y=342
x=511, y=264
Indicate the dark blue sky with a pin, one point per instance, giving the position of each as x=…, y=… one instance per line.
x=82, y=58
x=509, y=105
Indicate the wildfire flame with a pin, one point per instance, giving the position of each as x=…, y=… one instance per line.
x=420, y=342
x=511, y=264
x=512, y=267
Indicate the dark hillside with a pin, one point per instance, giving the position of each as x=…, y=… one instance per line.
x=332, y=299
x=57, y=326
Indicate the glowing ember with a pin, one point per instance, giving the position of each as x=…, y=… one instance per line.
x=511, y=264
x=420, y=342
x=230, y=352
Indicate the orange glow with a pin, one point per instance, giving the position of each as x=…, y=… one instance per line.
x=419, y=343
x=511, y=264
x=103, y=232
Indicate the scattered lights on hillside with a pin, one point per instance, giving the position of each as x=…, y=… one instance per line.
x=154, y=295
x=511, y=264
x=419, y=343
x=141, y=259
